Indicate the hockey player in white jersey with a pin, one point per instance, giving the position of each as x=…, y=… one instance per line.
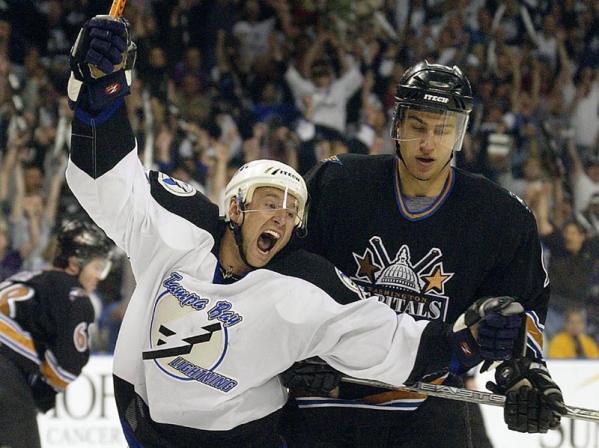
x=222, y=307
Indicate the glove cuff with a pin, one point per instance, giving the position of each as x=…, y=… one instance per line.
x=95, y=97
x=465, y=352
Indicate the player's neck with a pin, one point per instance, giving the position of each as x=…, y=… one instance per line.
x=411, y=186
x=229, y=255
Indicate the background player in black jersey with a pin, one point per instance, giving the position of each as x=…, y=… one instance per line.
x=431, y=239
x=44, y=317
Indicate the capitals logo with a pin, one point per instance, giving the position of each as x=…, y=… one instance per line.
x=416, y=287
x=189, y=334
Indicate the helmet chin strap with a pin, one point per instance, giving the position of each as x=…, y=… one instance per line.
x=236, y=229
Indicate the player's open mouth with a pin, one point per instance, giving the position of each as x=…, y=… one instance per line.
x=267, y=240
x=424, y=162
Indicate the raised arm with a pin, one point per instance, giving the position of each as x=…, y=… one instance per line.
x=18, y=201
x=104, y=171
x=312, y=54
x=576, y=161
x=8, y=163
x=56, y=182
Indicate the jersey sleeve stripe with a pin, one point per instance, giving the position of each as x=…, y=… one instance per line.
x=399, y=405
x=394, y=395
x=12, y=335
x=534, y=330
x=397, y=400
x=535, y=318
x=54, y=374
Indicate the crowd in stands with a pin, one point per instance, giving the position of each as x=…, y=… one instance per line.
x=222, y=82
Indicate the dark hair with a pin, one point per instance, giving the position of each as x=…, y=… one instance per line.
x=81, y=240
x=321, y=68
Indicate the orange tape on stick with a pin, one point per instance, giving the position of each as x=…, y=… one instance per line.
x=116, y=10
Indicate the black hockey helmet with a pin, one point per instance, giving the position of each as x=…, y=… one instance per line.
x=437, y=89
x=81, y=240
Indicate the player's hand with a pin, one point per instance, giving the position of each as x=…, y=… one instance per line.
x=100, y=58
x=534, y=403
x=311, y=377
x=43, y=394
x=487, y=331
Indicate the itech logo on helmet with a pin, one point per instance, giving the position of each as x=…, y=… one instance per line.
x=438, y=99
x=283, y=172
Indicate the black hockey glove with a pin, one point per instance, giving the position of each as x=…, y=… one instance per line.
x=534, y=403
x=43, y=394
x=311, y=377
x=487, y=331
x=101, y=62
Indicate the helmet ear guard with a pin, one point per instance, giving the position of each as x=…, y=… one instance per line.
x=239, y=203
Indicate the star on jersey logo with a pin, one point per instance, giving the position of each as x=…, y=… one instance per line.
x=424, y=276
x=366, y=266
x=436, y=280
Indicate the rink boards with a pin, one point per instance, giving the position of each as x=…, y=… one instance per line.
x=86, y=416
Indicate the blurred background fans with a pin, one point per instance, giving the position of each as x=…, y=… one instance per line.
x=219, y=83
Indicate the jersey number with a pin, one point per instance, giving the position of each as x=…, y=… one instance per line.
x=10, y=295
x=80, y=337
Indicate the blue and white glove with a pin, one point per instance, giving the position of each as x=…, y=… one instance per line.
x=101, y=62
x=487, y=331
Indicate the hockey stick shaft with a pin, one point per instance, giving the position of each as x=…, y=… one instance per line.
x=116, y=10
x=470, y=396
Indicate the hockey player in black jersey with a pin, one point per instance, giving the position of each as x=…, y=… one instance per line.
x=222, y=306
x=431, y=239
x=44, y=317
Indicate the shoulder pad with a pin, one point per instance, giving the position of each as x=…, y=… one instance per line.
x=184, y=200
x=320, y=272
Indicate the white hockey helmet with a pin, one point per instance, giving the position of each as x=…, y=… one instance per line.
x=266, y=173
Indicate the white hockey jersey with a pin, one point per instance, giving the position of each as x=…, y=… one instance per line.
x=205, y=355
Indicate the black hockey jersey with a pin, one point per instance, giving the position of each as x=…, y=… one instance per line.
x=475, y=240
x=44, y=318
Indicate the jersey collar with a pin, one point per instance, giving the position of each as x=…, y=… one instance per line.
x=428, y=211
